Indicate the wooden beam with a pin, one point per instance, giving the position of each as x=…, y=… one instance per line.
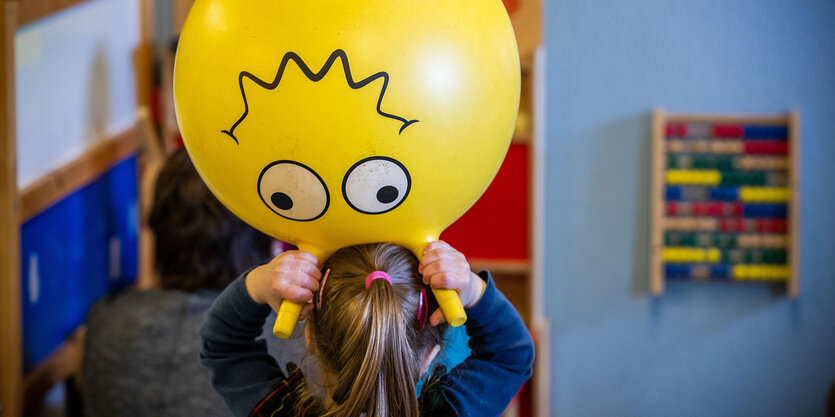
x=153, y=158
x=34, y=10
x=60, y=183
x=794, y=208
x=542, y=369
x=526, y=17
x=143, y=55
x=63, y=363
x=180, y=10
x=656, y=241
x=501, y=266
x=727, y=119
x=11, y=341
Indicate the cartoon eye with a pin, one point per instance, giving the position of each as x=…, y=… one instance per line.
x=293, y=191
x=376, y=185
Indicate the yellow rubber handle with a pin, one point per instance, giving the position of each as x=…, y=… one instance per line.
x=288, y=315
x=448, y=300
x=450, y=306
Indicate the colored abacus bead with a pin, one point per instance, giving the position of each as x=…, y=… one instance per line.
x=673, y=193
x=727, y=131
x=766, y=132
x=766, y=147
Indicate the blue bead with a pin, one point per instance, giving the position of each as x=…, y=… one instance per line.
x=780, y=210
x=673, y=193
x=724, y=193
x=720, y=272
x=677, y=271
x=766, y=132
x=765, y=210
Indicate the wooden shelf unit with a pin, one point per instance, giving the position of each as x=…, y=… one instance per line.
x=19, y=392
x=489, y=234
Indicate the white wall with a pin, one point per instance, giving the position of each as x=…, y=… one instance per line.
x=75, y=83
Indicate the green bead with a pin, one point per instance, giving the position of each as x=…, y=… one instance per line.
x=725, y=163
x=688, y=239
x=778, y=256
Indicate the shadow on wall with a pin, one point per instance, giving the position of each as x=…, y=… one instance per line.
x=610, y=192
x=98, y=98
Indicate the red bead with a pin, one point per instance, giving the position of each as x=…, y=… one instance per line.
x=764, y=225
x=779, y=226
x=676, y=129
x=766, y=147
x=727, y=131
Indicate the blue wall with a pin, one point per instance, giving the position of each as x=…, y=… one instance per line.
x=701, y=349
x=73, y=253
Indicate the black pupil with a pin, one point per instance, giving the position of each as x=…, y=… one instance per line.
x=282, y=201
x=387, y=194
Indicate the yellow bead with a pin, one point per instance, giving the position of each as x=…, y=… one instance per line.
x=713, y=255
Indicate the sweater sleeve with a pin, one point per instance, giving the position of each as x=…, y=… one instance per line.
x=243, y=372
x=500, y=362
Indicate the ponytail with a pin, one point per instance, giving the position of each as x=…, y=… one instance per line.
x=368, y=341
x=384, y=384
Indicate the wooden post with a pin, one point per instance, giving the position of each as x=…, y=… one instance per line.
x=542, y=366
x=794, y=208
x=656, y=279
x=11, y=356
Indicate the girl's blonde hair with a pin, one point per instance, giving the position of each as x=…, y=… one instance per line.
x=370, y=342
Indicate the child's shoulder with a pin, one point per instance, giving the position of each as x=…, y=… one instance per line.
x=283, y=400
x=432, y=401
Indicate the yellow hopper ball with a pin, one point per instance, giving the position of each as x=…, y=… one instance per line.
x=330, y=123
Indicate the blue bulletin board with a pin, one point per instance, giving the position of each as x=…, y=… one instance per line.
x=73, y=253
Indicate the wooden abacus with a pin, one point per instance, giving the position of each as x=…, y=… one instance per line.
x=725, y=199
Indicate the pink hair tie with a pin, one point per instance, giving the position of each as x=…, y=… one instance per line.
x=376, y=275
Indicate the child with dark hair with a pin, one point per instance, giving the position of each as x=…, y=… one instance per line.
x=142, y=347
x=374, y=326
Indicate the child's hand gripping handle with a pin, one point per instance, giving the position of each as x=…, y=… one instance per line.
x=450, y=305
x=288, y=315
x=448, y=299
x=288, y=312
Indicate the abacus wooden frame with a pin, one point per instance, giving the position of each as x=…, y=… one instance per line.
x=660, y=119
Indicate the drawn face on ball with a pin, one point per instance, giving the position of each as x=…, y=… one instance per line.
x=356, y=136
x=294, y=190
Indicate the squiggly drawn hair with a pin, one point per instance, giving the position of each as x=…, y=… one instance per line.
x=316, y=76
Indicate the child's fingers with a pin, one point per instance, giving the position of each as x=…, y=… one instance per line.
x=438, y=249
x=437, y=318
x=309, y=257
x=449, y=281
x=305, y=281
x=445, y=265
x=446, y=256
x=435, y=245
x=297, y=265
x=287, y=290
